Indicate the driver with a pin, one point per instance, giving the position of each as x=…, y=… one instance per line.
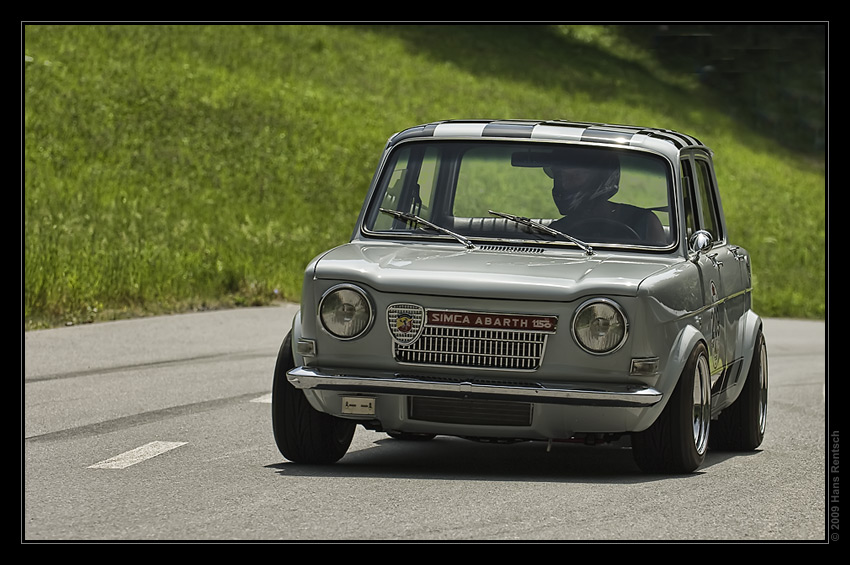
x=581, y=192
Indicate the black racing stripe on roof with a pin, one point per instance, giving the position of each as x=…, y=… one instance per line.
x=596, y=132
x=679, y=140
x=509, y=129
x=570, y=124
x=607, y=135
x=607, y=132
x=426, y=130
x=693, y=140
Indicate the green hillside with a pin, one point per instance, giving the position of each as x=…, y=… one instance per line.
x=173, y=167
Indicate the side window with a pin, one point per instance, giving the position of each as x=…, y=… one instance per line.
x=708, y=205
x=701, y=211
x=688, y=188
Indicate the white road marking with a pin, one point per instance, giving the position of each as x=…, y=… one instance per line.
x=265, y=399
x=137, y=455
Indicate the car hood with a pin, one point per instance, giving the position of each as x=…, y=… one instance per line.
x=506, y=274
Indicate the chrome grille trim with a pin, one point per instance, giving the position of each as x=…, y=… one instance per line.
x=378, y=382
x=475, y=348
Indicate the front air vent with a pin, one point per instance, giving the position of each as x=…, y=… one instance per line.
x=512, y=249
x=470, y=411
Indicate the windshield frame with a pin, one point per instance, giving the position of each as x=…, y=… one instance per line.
x=530, y=236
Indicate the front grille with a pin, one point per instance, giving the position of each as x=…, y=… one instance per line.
x=469, y=411
x=475, y=348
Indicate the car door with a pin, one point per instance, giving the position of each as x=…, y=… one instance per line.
x=702, y=213
x=734, y=269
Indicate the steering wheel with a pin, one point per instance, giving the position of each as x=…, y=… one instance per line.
x=605, y=227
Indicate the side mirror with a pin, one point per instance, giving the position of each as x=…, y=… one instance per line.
x=700, y=241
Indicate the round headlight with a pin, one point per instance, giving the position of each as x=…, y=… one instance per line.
x=345, y=312
x=600, y=326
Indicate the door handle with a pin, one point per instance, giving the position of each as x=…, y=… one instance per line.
x=714, y=261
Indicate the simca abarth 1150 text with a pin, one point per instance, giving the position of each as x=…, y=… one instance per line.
x=531, y=280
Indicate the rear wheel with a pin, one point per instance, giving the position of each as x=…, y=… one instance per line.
x=741, y=426
x=302, y=433
x=677, y=441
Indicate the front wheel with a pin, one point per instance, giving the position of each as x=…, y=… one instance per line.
x=302, y=433
x=677, y=441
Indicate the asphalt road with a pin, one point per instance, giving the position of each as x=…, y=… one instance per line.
x=159, y=429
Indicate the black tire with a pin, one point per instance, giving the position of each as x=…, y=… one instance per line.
x=302, y=433
x=741, y=427
x=677, y=441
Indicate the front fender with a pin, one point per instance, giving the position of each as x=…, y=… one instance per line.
x=686, y=340
x=296, y=335
x=299, y=359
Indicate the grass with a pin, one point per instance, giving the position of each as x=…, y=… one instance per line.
x=174, y=167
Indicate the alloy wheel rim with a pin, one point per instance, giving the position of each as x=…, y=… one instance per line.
x=762, y=389
x=701, y=414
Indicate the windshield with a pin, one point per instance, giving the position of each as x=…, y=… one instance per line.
x=566, y=194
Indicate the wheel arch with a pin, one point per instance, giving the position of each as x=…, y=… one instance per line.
x=688, y=338
x=298, y=360
x=748, y=335
x=749, y=330
x=295, y=333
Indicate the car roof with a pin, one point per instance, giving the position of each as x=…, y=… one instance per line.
x=665, y=141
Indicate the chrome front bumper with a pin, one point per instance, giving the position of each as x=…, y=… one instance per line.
x=619, y=395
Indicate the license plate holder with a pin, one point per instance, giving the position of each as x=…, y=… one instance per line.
x=358, y=405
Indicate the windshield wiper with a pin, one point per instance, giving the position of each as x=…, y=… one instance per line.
x=417, y=220
x=546, y=229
